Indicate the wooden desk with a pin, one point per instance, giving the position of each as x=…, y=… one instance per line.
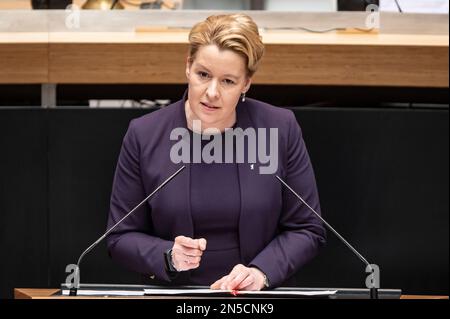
x=33, y=293
x=30, y=293
x=24, y=57
x=291, y=58
x=301, y=59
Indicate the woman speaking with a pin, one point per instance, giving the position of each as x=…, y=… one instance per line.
x=225, y=221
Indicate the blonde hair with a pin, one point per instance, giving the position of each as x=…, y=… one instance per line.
x=235, y=32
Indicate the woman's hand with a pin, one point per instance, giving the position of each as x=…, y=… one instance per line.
x=241, y=278
x=187, y=252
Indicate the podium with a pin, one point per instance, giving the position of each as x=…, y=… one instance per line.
x=103, y=291
x=55, y=293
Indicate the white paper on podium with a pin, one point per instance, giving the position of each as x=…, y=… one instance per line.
x=239, y=292
x=174, y=292
x=102, y=292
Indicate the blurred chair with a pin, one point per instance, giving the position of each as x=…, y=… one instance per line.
x=50, y=4
x=102, y=4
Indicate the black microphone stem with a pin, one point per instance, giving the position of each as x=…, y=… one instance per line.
x=398, y=6
x=73, y=290
x=373, y=291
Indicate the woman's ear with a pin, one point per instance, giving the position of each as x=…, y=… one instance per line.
x=247, y=85
x=188, y=67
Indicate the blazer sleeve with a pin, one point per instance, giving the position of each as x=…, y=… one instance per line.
x=131, y=244
x=301, y=233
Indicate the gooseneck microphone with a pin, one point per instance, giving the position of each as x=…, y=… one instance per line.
x=374, y=289
x=76, y=284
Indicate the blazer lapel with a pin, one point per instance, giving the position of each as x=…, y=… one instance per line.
x=186, y=226
x=248, y=190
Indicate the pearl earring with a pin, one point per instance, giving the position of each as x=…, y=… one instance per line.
x=243, y=97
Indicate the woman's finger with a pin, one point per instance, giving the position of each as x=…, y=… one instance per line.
x=218, y=283
x=246, y=283
x=233, y=284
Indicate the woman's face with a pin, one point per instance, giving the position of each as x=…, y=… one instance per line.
x=216, y=81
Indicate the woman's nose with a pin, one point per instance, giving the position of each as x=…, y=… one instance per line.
x=212, y=90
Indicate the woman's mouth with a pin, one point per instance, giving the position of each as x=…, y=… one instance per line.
x=209, y=107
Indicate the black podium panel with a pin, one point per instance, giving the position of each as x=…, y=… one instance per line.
x=382, y=176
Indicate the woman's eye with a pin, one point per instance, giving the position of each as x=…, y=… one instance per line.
x=203, y=75
x=228, y=81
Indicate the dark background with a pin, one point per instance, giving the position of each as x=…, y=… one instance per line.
x=382, y=173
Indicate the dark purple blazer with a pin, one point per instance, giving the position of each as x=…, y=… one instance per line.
x=277, y=233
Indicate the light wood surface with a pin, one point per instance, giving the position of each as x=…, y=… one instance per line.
x=123, y=57
x=290, y=59
x=158, y=57
x=32, y=293
x=15, y=4
x=423, y=297
x=24, y=63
